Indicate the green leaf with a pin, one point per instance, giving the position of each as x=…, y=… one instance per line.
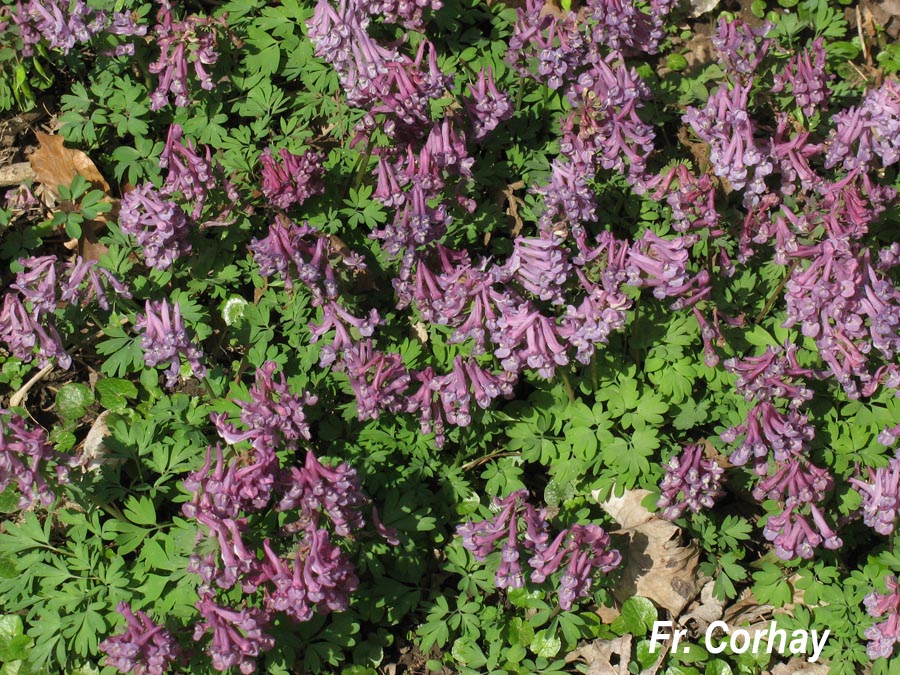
x=718, y=667
x=637, y=617
x=14, y=646
x=9, y=500
x=72, y=399
x=8, y=569
x=545, y=644
x=140, y=511
x=114, y=392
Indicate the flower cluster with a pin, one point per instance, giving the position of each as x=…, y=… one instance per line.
x=145, y=648
x=182, y=44
x=690, y=482
x=164, y=339
x=488, y=106
x=63, y=24
x=237, y=636
x=24, y=454
x=741, y=47
x=806, y=78
x=884, y=635
x=294, y=180
x=160, y=227
x=585, y=546
x=881, y=497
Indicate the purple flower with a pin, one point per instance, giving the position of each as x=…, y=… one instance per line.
x=555, y=45
x=294, y=180
x=793, y=536
x=794, y=483
x=881, y=497
x=160, y=227
x=488, y=106
x=874, y=127
x=690, y=482
x=771, y=376
x=189, y=173
x=182, y=44
x=22, y=333
x=539, y=264
x=379, y=380
x=322, y=578
x=145, y=648
x=165, y=338
x=65, y=24
x=525, y=337
x=807, y=78
x=726, y=126
x=406, y=13
x=24, y=454
x=620, y=25
x=767, y=429
x=314, y=488
x=38, y=285
x=884, y=635
x=585, y=546
x=237, y=636
x=741, y=47
x=97, y=277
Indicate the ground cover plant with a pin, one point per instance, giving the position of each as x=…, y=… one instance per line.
x=349, y=337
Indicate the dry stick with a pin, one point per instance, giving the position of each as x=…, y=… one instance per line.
x=16, y=174
x=17, y=398
x=487, y=458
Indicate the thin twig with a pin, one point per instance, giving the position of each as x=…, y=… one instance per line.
x=487, y=458
x=17, y=398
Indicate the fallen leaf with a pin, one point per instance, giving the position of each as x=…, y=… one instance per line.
x=699, y=7
x=747, y=610
x=706, y=609
x=94, y=451
x=656, y=565
x=799, y=666
x=56, y=165
x=604, y=657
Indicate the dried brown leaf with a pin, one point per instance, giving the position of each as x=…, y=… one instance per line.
x=799, y=666
x=604, y=657
x=56, y=165
x=706, y=609
x=656, y=565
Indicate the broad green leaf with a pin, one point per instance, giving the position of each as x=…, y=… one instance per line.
x=140, y=511
x=72, y=399
x=114, y=392
x=545, y=644
x=637, y=617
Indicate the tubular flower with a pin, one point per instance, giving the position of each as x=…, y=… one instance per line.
x=881, y=497
x=768, y=429
x=145, y=648
x=160, y=227
x=873, y=127
x=189, y=173
x=771, y=376
x=741, y=47
x=690, y=482
x=526, y=338
x=165, y=338
x=555, y=44
x=191, y=42
x=488, y=107
x=539, y=264
x=292, y=181
x=884, y=635
x=24, y=454
x=315, y=488
x=64, y=24
x=22, y=333
x=237, y=636
x=795, y=482
x=623, y=26
x=726, y=126
x=807, y=78
x=793, y=536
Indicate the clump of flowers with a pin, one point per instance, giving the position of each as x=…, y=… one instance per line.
x=881, y=497
x=585, y=547
x=165, y=339
x=157, y=223
x=884, y=635
x=186, y=43
x=145, y=648
x=292, y=181
x=691, y=482
x=24, y=455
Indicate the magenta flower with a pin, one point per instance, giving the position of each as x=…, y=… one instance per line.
x=145, y=648
x=806, y=78
x=22, y=333
x=793, y=536
x=190, y=173
x=164, y=338
x=24, y=455
x=884, y=635
x=539, y=264
x=488, y=106
x=237, y=636
x=292, y=181
x=160, y=227
x=741, y=47
x=794, y=483
x=881, y=497
x=690, y=482
x=191, y=42
x=622, y=26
